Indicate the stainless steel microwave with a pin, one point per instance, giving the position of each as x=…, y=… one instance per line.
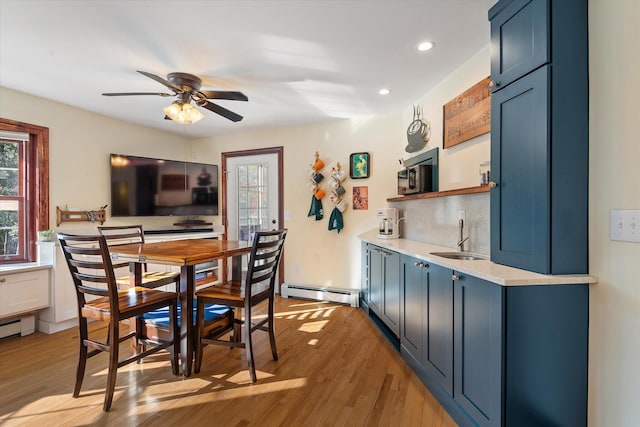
x=415, y=179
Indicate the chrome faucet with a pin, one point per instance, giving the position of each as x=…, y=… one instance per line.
x=461, y=240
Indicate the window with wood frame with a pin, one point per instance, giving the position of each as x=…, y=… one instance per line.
x=24, y=189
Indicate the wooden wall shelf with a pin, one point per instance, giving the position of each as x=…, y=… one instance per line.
x=433, y=195
x=79, y=216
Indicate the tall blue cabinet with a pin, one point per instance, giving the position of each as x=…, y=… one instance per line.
x=539, y=135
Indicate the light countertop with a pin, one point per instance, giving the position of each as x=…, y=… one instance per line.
x=483, y=269
x=24, y=267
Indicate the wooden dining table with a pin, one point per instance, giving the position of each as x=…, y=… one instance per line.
x=187, y=254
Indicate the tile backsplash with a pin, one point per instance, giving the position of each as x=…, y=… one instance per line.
x=436, y=220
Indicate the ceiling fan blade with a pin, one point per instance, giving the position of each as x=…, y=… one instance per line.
x=216, y=94
x=220, y=110
x=159, y=79
x=137, y=93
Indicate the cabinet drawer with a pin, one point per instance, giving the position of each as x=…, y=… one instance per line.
x=519, y=39
x=23, y=292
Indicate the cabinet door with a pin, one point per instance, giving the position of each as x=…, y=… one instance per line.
x=478, y=313
x=438, y=352
x=391, y=289
x=519, y=39
x=413, y=306
x=23, y=292
x=376, y=279
x=520, y=167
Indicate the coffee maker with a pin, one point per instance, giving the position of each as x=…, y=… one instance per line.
x=387, y=223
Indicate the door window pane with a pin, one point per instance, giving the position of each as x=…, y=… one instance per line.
x=253, y=199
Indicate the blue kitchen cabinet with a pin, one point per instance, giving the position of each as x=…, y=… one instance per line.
x=413, y=280
x=540, y=135
x=478, y=358
x=492, y=355
x=384, y=287
x=520, y=203
x=519, y=39
x=427, y=319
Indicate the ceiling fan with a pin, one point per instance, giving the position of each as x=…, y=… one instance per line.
x=186, y=87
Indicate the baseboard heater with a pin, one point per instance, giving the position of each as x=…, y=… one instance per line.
x=344, y=296
x=19, y=326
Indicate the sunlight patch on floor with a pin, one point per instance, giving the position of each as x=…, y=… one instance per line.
x=313, y=327
x=237, y=386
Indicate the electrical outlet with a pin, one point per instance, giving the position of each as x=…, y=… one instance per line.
x=625, y=225
x=463, y=216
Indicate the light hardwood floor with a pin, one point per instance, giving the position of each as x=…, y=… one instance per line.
x=335, y=369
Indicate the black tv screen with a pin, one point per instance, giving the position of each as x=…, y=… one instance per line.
x=142, y=186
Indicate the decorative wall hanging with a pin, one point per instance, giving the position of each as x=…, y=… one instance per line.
x=359, y=165
x=360, y=198
x=418, y=132
x=315, y=177
x=336, y=221
x=468, y=115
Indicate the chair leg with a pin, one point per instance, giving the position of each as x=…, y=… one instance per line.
x=248, y=342
x=237, y=324
x=199, y=333
x=114, y=335
x=272, y=335
x=82, y=356
x=175, y=352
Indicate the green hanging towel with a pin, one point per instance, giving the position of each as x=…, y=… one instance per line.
x=316, y=208
x=335, y=220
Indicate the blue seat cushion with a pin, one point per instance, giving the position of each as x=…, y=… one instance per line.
x=160, y=316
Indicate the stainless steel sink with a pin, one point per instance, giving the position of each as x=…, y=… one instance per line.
x=467, y=256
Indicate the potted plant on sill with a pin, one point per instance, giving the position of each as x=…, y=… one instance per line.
x=47, y=235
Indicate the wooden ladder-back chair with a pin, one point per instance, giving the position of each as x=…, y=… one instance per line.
x=93, y=276
x=258, y=286
x=125, y=234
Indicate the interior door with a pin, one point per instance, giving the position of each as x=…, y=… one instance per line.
x=252, y=187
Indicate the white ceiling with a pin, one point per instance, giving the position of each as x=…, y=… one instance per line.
x=298, y=61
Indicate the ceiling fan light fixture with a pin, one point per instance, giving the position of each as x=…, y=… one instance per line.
x=183, y=113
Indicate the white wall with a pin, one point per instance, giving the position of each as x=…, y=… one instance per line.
x=315, y=255
x=79, y=146
x=459, y=165
x=614, y=150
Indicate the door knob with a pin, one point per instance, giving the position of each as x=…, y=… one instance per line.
x=492, y=184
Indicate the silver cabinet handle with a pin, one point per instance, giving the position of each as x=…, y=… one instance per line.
x=421, y=265
x=494, y=83
x=455, y=277
x=492, y=184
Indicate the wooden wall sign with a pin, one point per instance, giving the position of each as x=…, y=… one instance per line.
x=467, y=115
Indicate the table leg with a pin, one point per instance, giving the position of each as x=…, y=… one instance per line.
x=187, y=287
x=236, y=267
x=135, y=279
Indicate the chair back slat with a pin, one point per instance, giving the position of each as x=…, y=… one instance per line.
x=264, y=259
x=123, y=235
x=90, y=266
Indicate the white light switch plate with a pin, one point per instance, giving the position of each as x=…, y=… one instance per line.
x=625, y=225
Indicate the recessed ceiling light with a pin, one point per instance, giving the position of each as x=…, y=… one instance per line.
x=384, y=91
x=425, y=46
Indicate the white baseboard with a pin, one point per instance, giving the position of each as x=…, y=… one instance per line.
x=344, y=296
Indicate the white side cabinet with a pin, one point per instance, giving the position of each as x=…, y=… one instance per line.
x=23, y=292
x=63, y=312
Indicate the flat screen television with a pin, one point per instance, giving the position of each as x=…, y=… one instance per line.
x=142, y=186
